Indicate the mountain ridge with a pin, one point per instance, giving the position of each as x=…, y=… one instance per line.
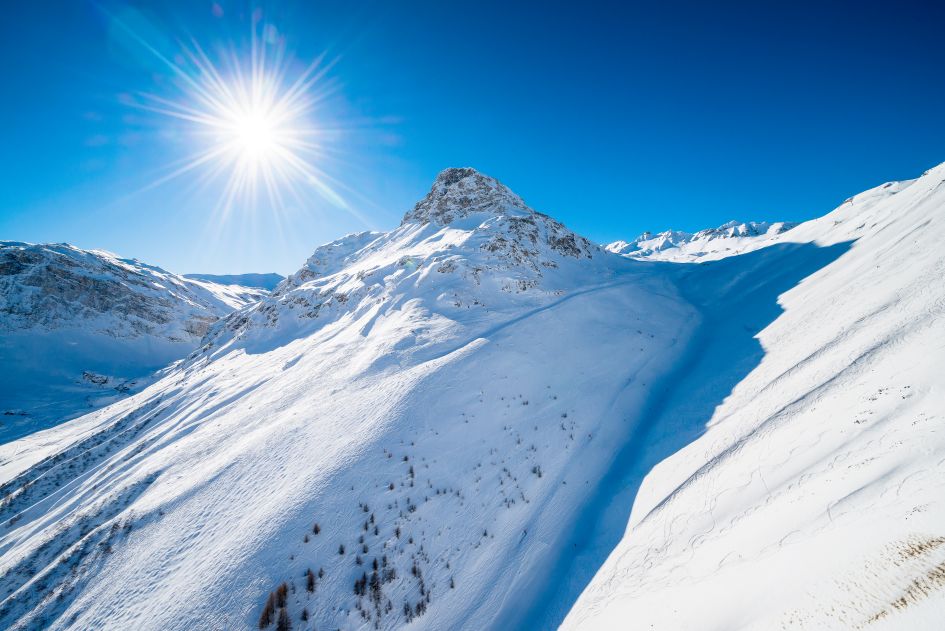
x=729, y=239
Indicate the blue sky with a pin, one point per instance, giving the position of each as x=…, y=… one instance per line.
x=613, y=117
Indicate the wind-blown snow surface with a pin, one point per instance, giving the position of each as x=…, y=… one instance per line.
x=81, y=328
x=814, y=499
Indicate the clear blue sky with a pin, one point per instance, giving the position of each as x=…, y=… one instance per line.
x=613, y=117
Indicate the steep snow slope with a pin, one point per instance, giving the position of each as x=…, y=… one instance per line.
x=438, y=399
x=258, y=281
x=706, y=245
x=814, y=497
x=81, y=326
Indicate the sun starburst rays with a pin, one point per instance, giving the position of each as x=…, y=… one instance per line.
x=249, y=125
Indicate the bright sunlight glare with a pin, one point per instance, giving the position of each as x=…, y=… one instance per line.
x=250, y=120
x=255, y=134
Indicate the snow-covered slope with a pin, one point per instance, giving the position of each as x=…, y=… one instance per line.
x=815, y=496
x=706, y=245
x=78, y=327
x=450, y=425
x=437, y=399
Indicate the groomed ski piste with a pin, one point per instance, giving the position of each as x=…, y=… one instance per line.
x=480, y=420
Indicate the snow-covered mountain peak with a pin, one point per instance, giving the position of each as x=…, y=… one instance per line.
x=471, y=243
x=458, y=193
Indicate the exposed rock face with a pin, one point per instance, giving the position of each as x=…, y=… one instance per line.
x=54, y=286
x=459, y=192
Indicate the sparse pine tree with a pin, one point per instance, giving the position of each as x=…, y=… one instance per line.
x=265, y=618
x=283, y=623
x=310, y=580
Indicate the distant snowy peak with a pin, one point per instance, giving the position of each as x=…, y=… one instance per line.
x=750, y=229
x=470, y=243
x=254, y=281
x=737, y=237
x=729, y=238
x=52, y=286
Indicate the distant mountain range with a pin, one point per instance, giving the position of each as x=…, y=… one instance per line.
x=731, y=238
x=260, y=281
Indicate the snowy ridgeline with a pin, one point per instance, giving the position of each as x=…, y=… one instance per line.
x=451, y=425
x=84, y=328
x=728, y=239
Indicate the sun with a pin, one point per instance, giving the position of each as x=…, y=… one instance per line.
x=250, y=121
x=257, y=139
x=255, y=135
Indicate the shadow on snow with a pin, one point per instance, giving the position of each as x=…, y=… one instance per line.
x=737, y=298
